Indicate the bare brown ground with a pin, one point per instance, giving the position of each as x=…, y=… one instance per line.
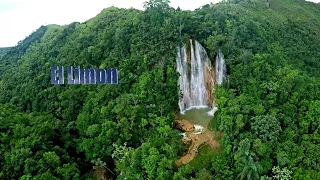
x=184, y=125
x=206, y=137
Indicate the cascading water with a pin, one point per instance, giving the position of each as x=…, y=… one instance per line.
x=183, y=81
x=198, y=90
x=221, y=69
x=196, y=77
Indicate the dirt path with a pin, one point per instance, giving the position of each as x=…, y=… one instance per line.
x=206, y=137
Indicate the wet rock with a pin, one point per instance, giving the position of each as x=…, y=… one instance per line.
x=185, y=125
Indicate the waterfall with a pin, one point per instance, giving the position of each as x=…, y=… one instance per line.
x=198, y=91
x=220, y=68
x=196, y=77
x=183, y=81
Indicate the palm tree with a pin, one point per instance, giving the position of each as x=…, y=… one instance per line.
x=250, y=169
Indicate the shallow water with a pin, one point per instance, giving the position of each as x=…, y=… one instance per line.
x=197, y=116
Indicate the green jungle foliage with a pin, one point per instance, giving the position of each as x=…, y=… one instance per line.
x=268, y=108
x=3, y=51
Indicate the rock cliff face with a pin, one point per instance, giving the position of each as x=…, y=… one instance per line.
x=209, y=76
